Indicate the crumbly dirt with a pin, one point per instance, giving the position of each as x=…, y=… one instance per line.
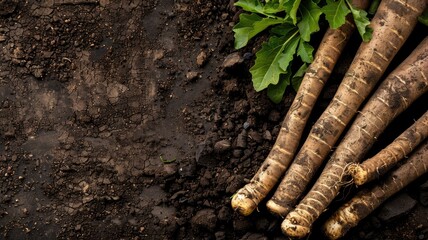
x=120, y=120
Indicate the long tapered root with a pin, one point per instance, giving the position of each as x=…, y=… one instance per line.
x=367, y=200
x=368, y=66
x=282, y=153
x=378, y=112
x=388, y=157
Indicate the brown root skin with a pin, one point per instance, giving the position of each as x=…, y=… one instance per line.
x=282, y=153
x=358, y=173
x=388, y=157
x=392, y=24
x=406, y=83
x=367, y=200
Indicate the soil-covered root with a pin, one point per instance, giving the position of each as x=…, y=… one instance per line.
x=247, y=198
x=400, y=89
x=388, y=157
x=360, y=206
x=391, y=25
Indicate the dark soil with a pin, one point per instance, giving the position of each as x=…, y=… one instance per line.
x=119, y=120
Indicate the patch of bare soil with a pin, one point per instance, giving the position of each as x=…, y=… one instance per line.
x=120, y=120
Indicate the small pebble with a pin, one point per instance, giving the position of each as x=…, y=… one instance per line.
x=222, y=145
x=201, y=59
x=248, y=55
x=192, y=75
x=241, y=140
x=232, y=60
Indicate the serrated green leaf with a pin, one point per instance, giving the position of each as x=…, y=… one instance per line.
x=272, y=61
x=424, y=17
x=291, y=7
x=310, y=16
x=255, y=6
x=335, y=12
x=296, y=80
x=305, y=51
x=250, y=25
x=362, y=22
x=276, y=92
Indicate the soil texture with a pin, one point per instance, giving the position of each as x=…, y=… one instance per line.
x=137, y=120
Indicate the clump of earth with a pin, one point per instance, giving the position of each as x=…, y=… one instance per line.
x=138, y=120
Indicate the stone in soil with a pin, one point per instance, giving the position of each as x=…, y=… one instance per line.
x=201, y=59
x=395, y=207
x=232, y=61
x=222, y=145
x=192, y=75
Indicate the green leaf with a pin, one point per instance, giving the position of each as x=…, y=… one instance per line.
x=283, y=29
x=273, y=59
x=362, y=22
x=305, y=51
x=255, y=6
x=249, y=26
x=276, y=92
x=298, y=76
x=273, y=7
x=288, y=53
x=424, y=17
x=335, y=13
x=291, y=7
x=310, y=16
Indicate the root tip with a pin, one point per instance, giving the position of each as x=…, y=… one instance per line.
x=333, y=229
x=359, y=174
x=277, y=209
x=292, y=229
x=242, y=204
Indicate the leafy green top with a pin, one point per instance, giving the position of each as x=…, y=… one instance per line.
x=291, y=23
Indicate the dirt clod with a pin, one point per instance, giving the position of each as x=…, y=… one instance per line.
x=204, y=219
x=7, y=7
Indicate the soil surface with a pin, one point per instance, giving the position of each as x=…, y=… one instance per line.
x=137, y=120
